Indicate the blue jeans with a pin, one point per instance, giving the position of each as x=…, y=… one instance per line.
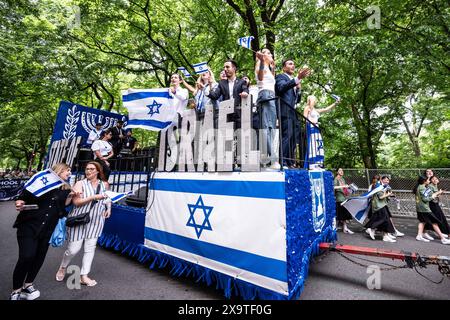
x=269, y=121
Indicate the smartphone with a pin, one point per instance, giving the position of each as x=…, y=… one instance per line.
x=30, y=207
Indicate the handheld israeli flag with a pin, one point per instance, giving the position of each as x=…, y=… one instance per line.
x=201, y=67
x=185, y=72
x=59, y=234
x=359, y=206
x=150, y=109
x=117, y=196
x=245, y=41
x=43, y=182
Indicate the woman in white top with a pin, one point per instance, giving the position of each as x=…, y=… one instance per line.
x=265, y=76
x=179, y=94
x=314, y=153
x=90, y=195
x=205, y=83
x=103, y=150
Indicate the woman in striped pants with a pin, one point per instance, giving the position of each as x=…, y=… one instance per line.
x=90, y=197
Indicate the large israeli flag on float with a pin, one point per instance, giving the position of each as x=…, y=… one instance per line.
x=43, y=182
x=233, y=223
x=359, y=206
x=149, y=109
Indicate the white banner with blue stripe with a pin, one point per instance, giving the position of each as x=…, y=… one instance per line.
x=150, y=109
x=43, y=182
x=359, y=206
x=233, y=223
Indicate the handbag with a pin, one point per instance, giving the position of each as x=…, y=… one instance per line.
x=59, y=234
x=82, y=218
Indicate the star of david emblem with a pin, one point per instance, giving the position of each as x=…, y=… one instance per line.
x=205, y=225
x=153, y=108
x=320, y=144
x=44, y=180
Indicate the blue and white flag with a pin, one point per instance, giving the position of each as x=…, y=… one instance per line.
x=117, y=196
x=43, y=182
x=185, y=72
x=234, y=224
x=314, y=153
x=201, y=67
x=359, y=206
x=245, y=41
x=150, y=109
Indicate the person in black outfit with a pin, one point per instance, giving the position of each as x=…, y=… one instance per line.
x=288, y=88
x=34, y=230
x=231, y=88
x=118, y=136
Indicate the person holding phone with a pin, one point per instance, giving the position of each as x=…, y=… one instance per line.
x=37, y=219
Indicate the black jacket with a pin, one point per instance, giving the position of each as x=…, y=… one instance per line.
x=222, y=90
x=289, y=97
x=41, y=222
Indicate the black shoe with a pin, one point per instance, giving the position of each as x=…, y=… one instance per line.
x=29, y=293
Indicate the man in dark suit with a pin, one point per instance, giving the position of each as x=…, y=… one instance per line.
x=288, y=88
x=232, y=87
x=118, y=136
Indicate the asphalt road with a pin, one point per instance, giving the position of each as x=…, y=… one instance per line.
x=331, y=276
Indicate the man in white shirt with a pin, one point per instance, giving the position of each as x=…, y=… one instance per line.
x=95, y=134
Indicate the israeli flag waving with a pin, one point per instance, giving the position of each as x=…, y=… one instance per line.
x=359, y=206
x=185, y=72
x=200, y=68
x=43, y=182
x=245, y=41
x=116, y=196
x=150, y=109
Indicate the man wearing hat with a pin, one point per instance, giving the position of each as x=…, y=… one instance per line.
x=94, y=134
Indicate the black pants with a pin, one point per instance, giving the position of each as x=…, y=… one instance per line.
x=32, y=252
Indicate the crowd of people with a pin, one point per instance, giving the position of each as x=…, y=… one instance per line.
x=270, y=86
x=17, y=174
x=111, y=143
x=426, y=192
x=38, y=217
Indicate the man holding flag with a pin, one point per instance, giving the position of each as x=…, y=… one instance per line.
x=41, y=204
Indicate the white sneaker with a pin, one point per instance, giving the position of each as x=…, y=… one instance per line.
x=398, y=233
x=390, y=235
x=275, y=166
x=445, y=236
x=386, y=238
x=29, y=293
x=371, y=233
x=347, y=230
x=445, y=241
x=420, y=238
x=427, y=236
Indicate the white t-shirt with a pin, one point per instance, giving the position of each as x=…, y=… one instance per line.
x=103, y=146
x=180, y=99
x=94, y=135
x=268, y=81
